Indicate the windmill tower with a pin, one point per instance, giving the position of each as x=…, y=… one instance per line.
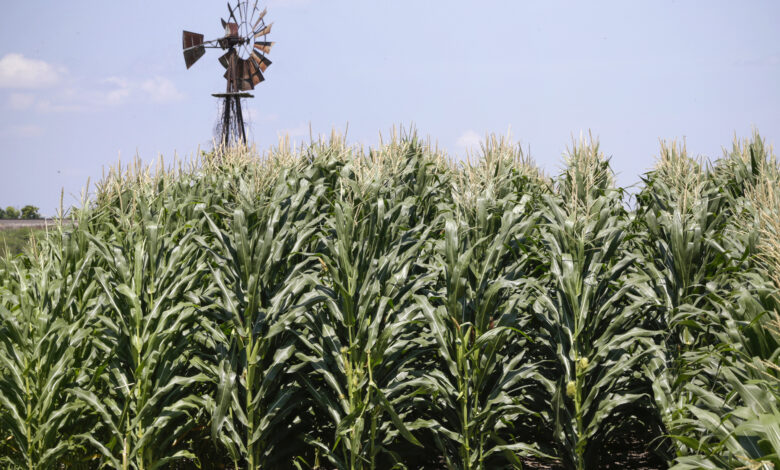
x=246, y=45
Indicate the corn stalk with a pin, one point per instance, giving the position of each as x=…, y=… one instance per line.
x=257, y=266
x=589, y=322
x=361, y=325
x=44, y=333
x=142, y=390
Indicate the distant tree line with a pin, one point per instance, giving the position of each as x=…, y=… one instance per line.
x=27, y=212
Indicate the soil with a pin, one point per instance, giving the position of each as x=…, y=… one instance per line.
x=631, y=453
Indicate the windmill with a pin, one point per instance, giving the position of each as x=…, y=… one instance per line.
x=246, y=45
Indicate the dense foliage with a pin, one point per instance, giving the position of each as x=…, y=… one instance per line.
x=28, y=212
x=334, y=308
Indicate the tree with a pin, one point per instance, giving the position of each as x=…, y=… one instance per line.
x=11, y=212
x=2, y=213
x=30, y=212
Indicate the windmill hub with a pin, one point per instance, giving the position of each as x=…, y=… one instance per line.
x=245, y=41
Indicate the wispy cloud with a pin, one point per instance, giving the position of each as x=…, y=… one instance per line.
x=58, y=92
x=103, y=93
x=161, y=90
x=120, y=90
x=117, y=92
x=18, y=71
x=469, y=140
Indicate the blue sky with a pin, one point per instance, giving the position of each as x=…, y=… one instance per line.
x=85, y=82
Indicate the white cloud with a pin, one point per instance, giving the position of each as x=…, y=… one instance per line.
x=71, y=95
x=161, y=90
x=20, y=101
x=17, y=71
x=25, y=131
x=118, y=94
x=120, y=90
x=469, y=140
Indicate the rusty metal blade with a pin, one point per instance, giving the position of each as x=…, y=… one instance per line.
x=226, y=58
x=259, y=19
x=262, y=61
x=244, y=81
x=255, y=76
x=190, y=39
x=234, y=75
x=264, y=46
x=192, y=55
x=263, y=31
x=247, y=68
x=192, y=44
x=251, y=66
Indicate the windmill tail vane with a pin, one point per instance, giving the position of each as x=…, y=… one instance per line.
x=246, y=46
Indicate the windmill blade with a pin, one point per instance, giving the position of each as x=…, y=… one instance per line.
x=249, y=75
x=227, y=58
x=264, y=46
x=265, y=30
x=192, y=43
x=259, y=19
x=192, y=55
x=262, y=61
x=234, y=75
x=190, y=39
x=259, y=78
x=252, y=73
x=245, y=78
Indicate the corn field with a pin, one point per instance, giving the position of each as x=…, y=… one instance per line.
x=331, y=307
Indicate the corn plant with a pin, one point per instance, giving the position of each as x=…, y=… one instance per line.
x=733, y=420
x=483, y=381
x=336, y=307
x=256, y=263
x=740, y=429
x=680, y=215
x=588, y=319
x=702, y=282
x=361, y=326
x=44, y=333
x=142, y=391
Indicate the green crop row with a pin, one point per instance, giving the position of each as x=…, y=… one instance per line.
x=331, y=307
x=14, y=240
